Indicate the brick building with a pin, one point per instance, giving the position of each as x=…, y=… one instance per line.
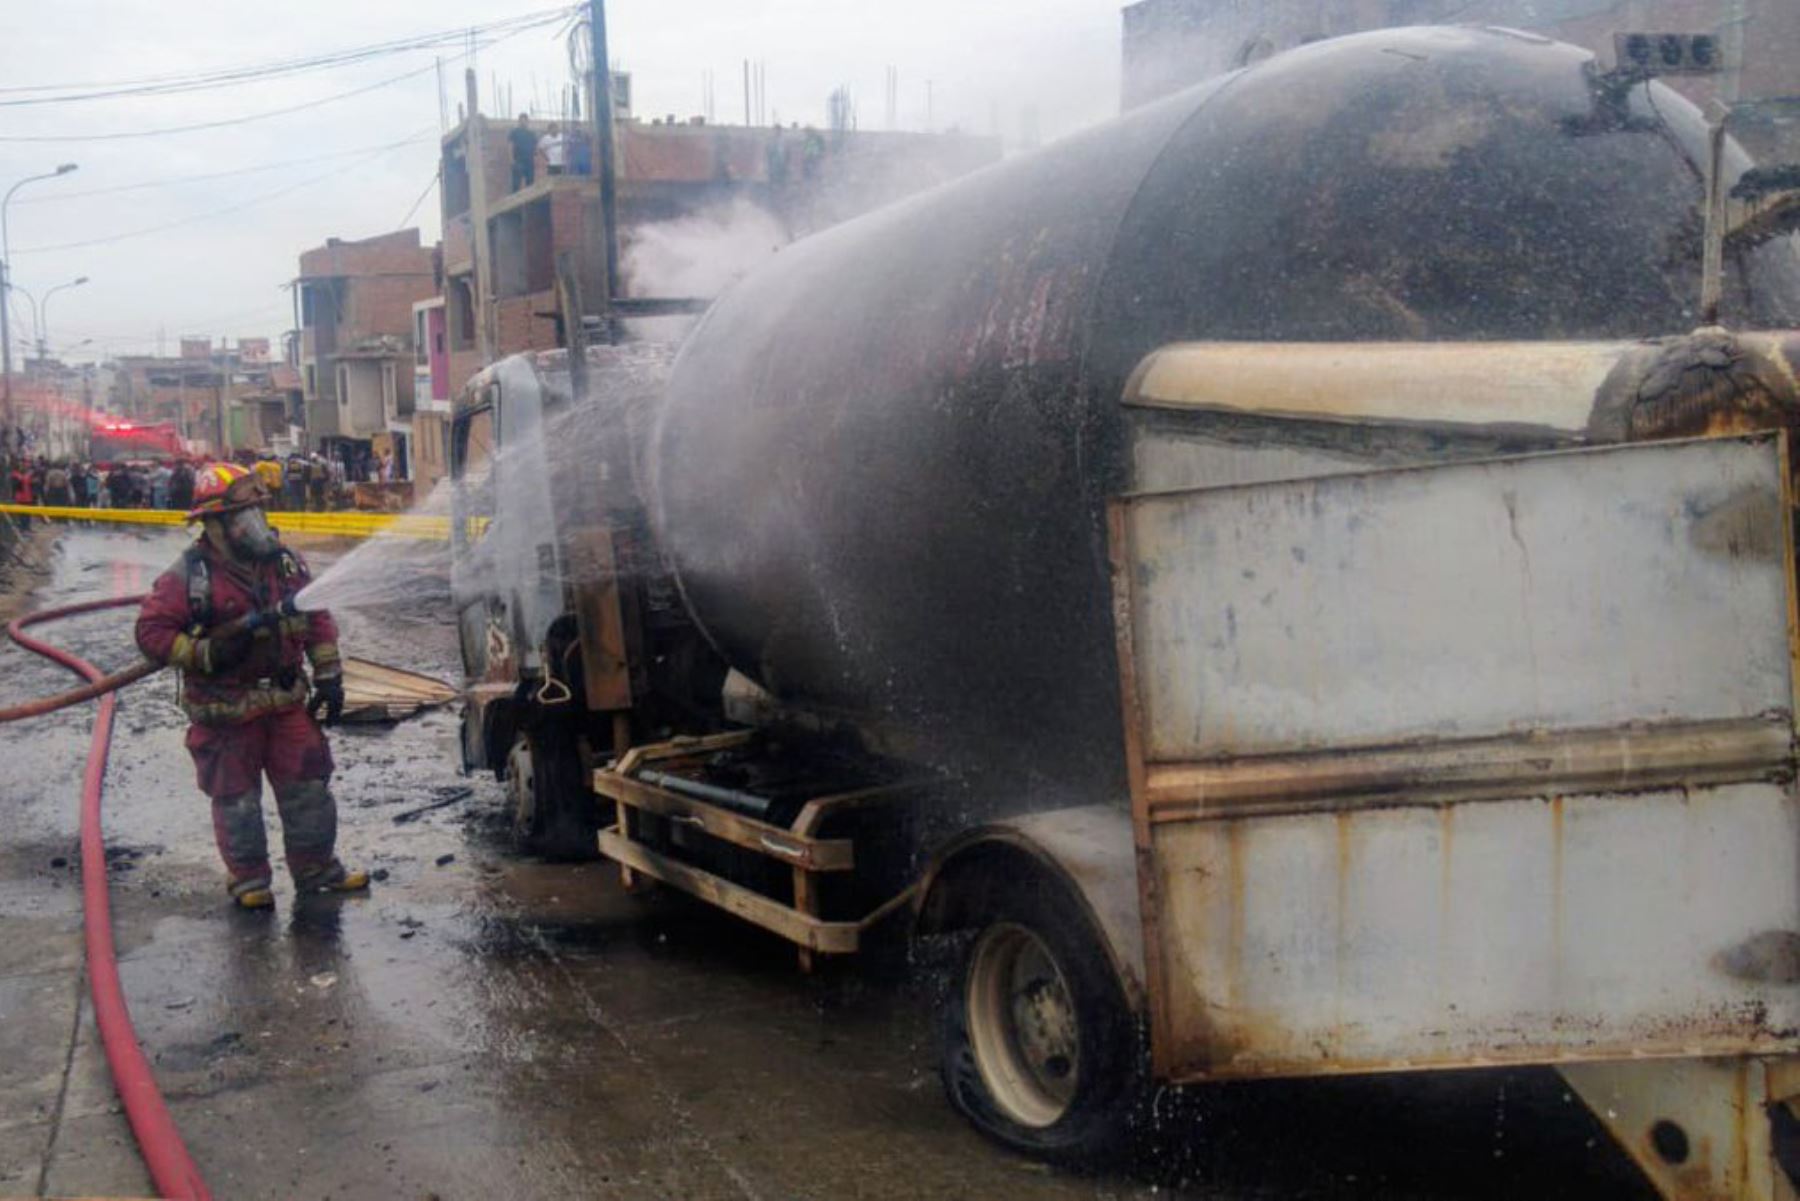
x=431, y=395
x=1170, y=44
x=803, y=179
x=355, y=350
x=53, y=406
x=219, y=397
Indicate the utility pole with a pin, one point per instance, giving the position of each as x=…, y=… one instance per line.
x=219, y=398
x=474, y=137
x=602, y=112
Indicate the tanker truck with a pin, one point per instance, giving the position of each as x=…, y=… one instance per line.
x=1288, y=583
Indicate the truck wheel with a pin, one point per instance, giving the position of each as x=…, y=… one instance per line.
x=552, y=813
x=1039, y=1049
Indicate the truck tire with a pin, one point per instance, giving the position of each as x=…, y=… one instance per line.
x=1038, y=1047
x=553, y=813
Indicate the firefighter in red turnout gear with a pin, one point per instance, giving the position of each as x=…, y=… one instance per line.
x=223, y=616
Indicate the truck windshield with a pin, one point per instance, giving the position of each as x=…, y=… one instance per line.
x=472, y=470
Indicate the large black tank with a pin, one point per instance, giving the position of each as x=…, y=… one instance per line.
x=881, y=466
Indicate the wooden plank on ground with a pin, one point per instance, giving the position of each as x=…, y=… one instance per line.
x=377, y=692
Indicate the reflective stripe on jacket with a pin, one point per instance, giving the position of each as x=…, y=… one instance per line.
x=270, y=676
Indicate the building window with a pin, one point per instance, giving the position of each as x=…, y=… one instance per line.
x=521, y=251
x=456, y=182
x=312, y=381
x=462, y=316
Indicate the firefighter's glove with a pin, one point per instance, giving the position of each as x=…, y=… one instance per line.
x=221, y=652
x=263, y=619
x=327, y=694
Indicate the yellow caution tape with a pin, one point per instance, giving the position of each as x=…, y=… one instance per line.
x=350, y=524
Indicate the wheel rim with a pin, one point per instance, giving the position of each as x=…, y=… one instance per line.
x=521, y=785
x=1023, y=1026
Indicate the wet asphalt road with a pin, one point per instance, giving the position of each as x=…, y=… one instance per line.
x=486, y=1026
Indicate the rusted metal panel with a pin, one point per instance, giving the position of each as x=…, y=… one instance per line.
x=1542, y=385
x=600, y=618
x=1529, y=930
x=1610, y=759
x=1490, y=762
x=1586, y=589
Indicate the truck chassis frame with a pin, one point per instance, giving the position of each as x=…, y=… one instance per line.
x=797, y=846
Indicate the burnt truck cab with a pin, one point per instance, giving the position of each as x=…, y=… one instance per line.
x=571, y=636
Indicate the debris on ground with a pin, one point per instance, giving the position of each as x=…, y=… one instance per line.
x=447, y=797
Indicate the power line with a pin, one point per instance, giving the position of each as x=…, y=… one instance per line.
x=424, y=135
x=253, y=72
x=190, y=219
x=245, y=120
x=468, y=52
x=421, y=200
x=230, y=317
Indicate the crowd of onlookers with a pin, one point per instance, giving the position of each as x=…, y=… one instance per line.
x=66, y=483
x=297, y=483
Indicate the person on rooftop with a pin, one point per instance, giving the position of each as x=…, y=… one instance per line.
x=524, y=142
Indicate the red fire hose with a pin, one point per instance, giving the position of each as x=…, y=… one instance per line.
x=171, y=1167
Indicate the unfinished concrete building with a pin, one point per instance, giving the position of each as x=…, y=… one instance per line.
x=500, y=271
x=355, y=303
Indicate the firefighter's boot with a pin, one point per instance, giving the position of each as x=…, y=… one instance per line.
x=332, y=877
x=252, y=892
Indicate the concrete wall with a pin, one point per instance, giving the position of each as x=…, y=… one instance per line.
x=1171, y=44
x=378, y=281
x=361, y=290
x=430, y=447
x=362, y=407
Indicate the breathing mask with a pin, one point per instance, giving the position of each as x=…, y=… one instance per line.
x=249, y=534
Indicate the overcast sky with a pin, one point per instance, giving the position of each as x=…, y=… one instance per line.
x=222, y=248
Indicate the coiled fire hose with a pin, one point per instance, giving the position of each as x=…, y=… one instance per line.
x=171, y=1168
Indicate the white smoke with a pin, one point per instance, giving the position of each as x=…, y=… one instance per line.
x=698, y=256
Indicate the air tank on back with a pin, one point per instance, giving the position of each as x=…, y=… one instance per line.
x=881, y=466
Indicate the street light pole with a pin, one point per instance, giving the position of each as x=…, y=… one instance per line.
x=6, y=282
x=43, y=314
x=32, y=300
